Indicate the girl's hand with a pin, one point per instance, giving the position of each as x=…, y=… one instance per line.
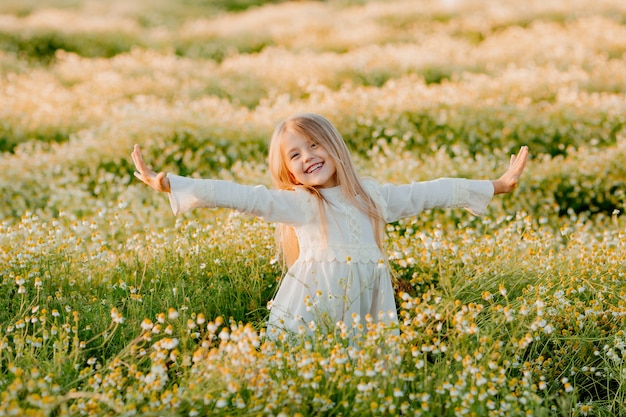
x=157, y=181
x=507, y=182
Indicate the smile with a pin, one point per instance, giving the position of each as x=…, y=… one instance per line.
x=314, y=167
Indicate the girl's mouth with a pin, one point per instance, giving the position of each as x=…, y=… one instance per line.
x=314, y=167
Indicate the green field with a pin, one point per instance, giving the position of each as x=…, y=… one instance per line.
x=110, y=305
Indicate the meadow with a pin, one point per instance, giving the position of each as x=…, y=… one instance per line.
x=110, y=305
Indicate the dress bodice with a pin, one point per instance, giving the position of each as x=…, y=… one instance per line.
x=348, y=235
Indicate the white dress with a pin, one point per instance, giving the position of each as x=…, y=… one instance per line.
x=341, y=275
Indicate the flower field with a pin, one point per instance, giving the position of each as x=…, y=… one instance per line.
x=109, y=305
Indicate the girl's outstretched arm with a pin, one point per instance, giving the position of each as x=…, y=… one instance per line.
x=159, y=181
x=507, y=182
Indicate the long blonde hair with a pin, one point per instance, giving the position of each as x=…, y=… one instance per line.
x=319, y=130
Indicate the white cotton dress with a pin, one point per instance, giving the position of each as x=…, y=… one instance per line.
x=341, y=274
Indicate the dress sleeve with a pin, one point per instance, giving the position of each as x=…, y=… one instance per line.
x=411, y=199
x=282, y=206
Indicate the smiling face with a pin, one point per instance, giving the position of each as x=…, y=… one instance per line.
x=308, y=162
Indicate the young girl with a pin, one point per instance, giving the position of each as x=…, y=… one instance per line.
x=331, y=221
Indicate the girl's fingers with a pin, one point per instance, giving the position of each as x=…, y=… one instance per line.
x=141, y=166
x=142, y=170
x=520, y=161
x=138, y=160
x=146, y=175
x=522, y=157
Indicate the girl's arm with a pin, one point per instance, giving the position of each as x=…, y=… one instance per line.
x=289, y=207
x=474, y=195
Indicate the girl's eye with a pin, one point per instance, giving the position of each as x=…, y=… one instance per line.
x=313, y=145
x=294, y=155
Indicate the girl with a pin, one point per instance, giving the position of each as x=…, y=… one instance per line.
x=331, y=221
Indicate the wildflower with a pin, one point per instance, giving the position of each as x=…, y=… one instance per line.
x=568, y=387
x=115, y=315
x=240, y=403
x=146, y=324
x=169, y=343
x=585, y=409
x=502, y=290
x=172, y=314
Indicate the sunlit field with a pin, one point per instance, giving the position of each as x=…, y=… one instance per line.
x=110, y=305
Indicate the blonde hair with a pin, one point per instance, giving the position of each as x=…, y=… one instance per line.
x=318, y=129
